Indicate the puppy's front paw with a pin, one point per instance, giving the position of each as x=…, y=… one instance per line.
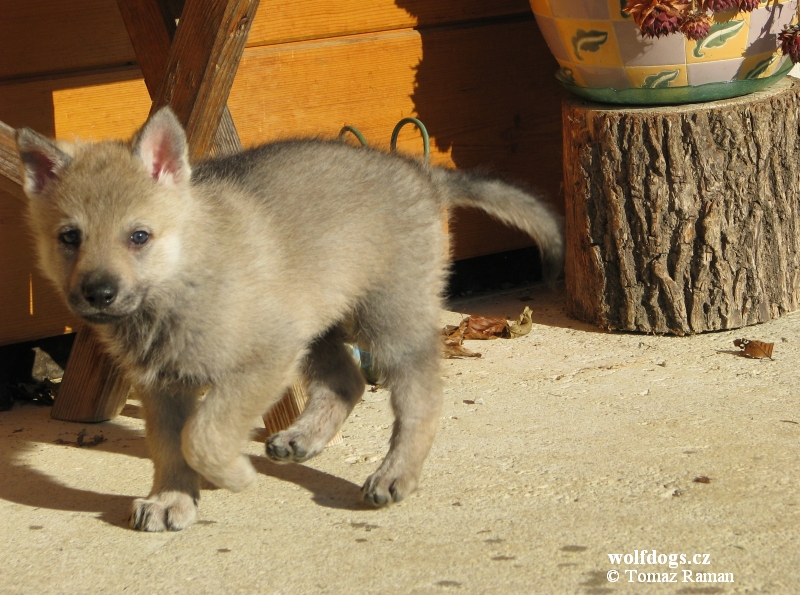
x=383, y=488
x=291, y=447
x=167, y=511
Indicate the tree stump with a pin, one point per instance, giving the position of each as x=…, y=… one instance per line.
x=683, y=219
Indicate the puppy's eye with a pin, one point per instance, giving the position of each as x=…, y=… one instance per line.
x=139, y=237
x=71, y=237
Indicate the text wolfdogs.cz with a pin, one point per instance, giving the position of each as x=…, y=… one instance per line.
x=652, y=557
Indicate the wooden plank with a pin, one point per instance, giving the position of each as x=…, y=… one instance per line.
x=55, y=36
x=90, y=112
x=30, y=307
x=278, y=21
x=201, y=67
x=37, y=104
x=486, y=93
x=50, y=36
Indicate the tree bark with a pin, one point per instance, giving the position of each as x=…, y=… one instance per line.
x=683, y=219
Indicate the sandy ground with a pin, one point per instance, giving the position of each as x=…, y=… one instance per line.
x=555, y=451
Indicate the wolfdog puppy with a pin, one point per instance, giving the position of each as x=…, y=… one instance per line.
x=230, y=277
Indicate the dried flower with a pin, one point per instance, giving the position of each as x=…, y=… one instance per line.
x=720, y=5
x=696, y=25
x=748, y=5
x=789, y=39
x=657, y=17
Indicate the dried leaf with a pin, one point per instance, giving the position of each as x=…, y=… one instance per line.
x=482, y=327
x=702, y=479
x=523, y=325
x=755, y=349
x=454, y=351
x=451, y=330
x=452, y=339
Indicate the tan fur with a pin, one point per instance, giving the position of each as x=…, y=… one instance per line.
x=232, y=276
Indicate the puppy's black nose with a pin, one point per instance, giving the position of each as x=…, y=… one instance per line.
x=100, y=292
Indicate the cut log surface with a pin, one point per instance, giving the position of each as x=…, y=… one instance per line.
x=683, y=219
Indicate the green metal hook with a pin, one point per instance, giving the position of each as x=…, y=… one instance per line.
x=355, y=132
x=426, y=139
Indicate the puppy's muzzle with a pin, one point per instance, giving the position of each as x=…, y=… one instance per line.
x=100, y=291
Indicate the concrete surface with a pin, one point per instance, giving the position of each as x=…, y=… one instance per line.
x=554, y=451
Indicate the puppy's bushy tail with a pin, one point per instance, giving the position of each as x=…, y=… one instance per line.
x=512, y=206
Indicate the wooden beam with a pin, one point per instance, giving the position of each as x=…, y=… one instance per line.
x=151, y=32
x=92, y=389
x=151, y=25
x=201, y=66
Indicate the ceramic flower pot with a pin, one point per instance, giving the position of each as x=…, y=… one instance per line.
x=603, y=56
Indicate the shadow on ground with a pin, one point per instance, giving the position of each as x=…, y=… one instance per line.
x=23, y=484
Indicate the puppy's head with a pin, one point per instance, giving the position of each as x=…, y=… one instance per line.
x=107, y=217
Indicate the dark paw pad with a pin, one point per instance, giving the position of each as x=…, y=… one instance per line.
x=281, y=450
x=377, y=493
x=164, y=512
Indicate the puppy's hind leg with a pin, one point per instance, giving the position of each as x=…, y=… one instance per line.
x=335, y=385
x=172, y=503
x=408, y=353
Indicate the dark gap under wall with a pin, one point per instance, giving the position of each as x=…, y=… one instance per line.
x=494, y=271
x=23, y=366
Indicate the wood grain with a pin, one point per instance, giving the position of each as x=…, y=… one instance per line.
x=48, y=36
x=278, y=21
x=284, y=413
x=150, y=31
x=92, y=389
x=202, y=63
x=56, y=36
x=30, y=308
x=684, y=219
x=485, y=92
x=151, y=25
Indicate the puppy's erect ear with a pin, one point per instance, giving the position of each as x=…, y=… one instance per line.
x=42, y=160
x=161, y=145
